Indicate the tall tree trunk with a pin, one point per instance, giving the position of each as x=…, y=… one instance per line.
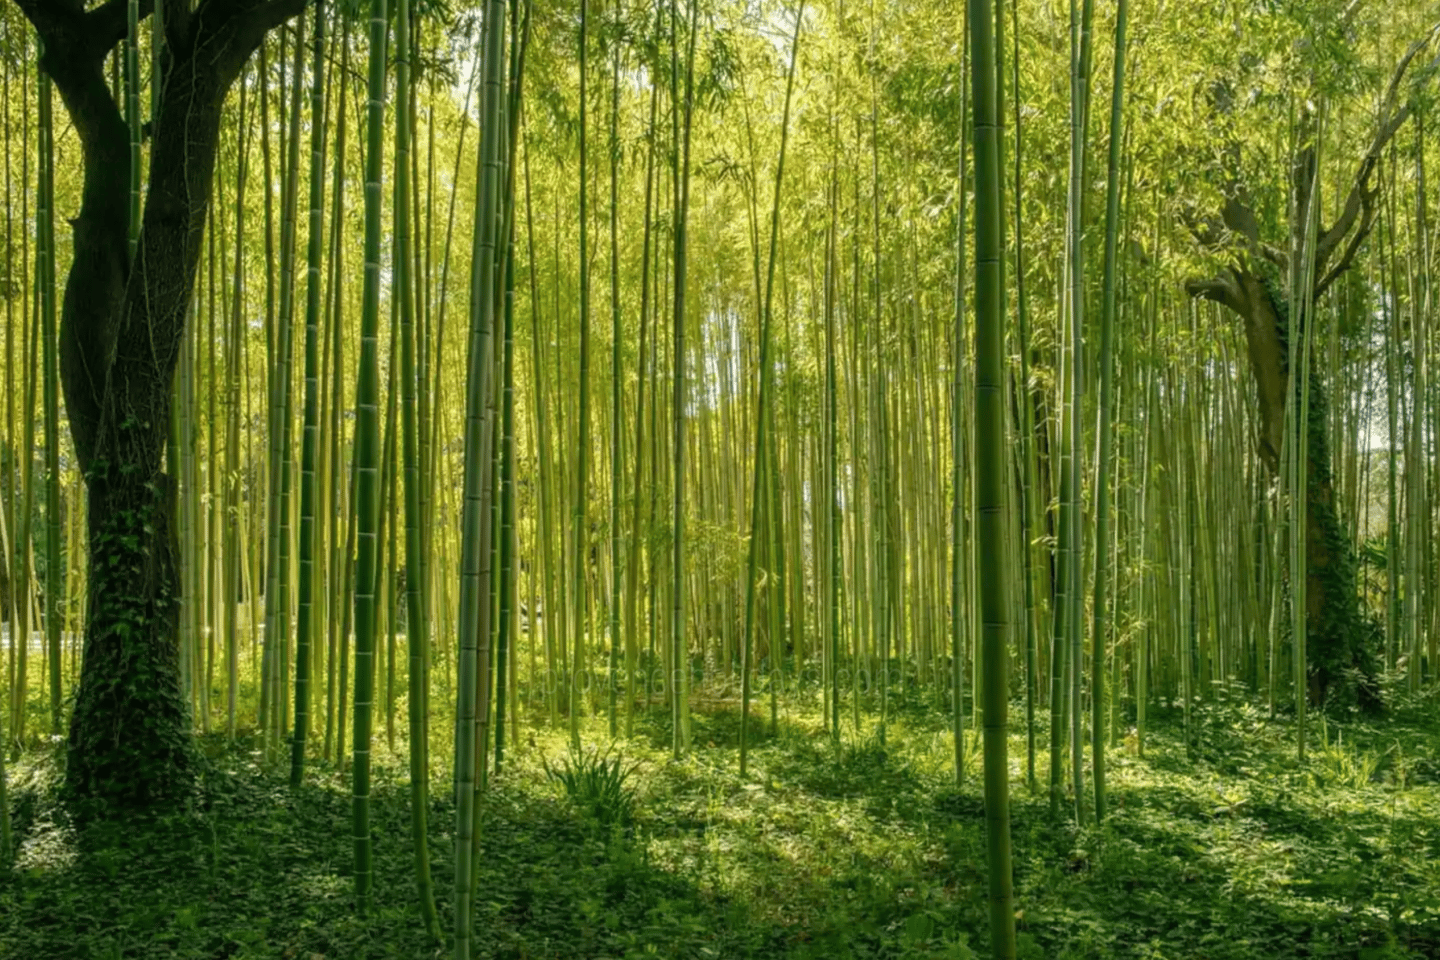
x=1332, y=611
x=120, y=337
x=1250, y=286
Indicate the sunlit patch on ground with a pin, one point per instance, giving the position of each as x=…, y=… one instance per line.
x=846, y=851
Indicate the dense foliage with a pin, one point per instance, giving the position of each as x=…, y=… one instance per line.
x=853, y=852
x=787, y=390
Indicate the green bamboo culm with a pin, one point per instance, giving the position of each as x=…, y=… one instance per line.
x=367, y=459
x=1107, y=376
x=277, y=567
x=1029, y=483
x=581, y=552
x=1297, y=436
x=762, y=423
x=132, y=118
x=616, y=408
x=832, y=472
x=1065, y=654
x=1415, y=562
x=259, y=515
x=6, y=839
x=309, y=481
x=680, y=131
x=508, y=582
x=632, y=577
x=337, y=642
x=14, y=525
x=508, y=546
x=958, y=553
x=474, y=539
x=991, y=460
x=417, y=624
x=45, y=277
x=233, y=560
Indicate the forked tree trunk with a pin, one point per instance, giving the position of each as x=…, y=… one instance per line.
x=120, y=335
x=1335, y=630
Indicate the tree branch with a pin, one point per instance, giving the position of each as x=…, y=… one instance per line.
x=1367, y=205
x=1239, y=218
x=1219, y=290
x=75, y=46
x=148, y=318
x=275, y=12
x=212, y=43
x=1359, y=200
x=110, y=21
x=52, y=17
x=226, y=32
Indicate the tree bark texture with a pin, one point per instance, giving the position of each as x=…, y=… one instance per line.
x=121, y=328
x=1334, y=625
x=1250, y=285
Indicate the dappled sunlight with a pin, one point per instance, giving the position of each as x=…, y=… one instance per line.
x=820, y=849
x=574, y=480
x=46, y=850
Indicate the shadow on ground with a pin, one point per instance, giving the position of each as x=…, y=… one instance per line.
x=842, y=851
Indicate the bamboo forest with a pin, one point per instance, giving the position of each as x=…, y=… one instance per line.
x=720, y=479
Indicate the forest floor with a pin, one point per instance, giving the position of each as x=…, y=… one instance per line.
x=855, y=850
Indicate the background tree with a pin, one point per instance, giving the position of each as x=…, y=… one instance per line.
x=1273, y=289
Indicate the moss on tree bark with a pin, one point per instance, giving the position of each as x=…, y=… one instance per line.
x=121, y=327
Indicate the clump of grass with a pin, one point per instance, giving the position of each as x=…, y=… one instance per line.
x=597, y=785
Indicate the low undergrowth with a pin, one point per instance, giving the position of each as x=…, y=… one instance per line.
x=862, y=849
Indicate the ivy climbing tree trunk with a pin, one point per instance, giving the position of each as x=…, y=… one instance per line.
x=1251, y=285
x=121, y=329
x=1332, y=608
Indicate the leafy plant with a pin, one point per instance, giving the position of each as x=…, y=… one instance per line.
x=1340, y=765
x=596, y=784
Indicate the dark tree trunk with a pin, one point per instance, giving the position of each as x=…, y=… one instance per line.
x=1335, y=630
x=1334, y=625
x=121, y=328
